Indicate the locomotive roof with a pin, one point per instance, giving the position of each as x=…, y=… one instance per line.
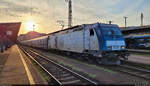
x=76, y=28
x=84, y=25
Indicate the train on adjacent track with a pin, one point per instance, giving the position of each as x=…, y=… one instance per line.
x=103, y=43
x=138, y=41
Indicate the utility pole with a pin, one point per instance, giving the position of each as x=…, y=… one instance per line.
x=125, y=21
x=69, y=13
x=31, y=7
x=142, y=16
x=33, y=27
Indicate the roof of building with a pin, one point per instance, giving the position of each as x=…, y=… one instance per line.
x=134, y=27
x=10, y=30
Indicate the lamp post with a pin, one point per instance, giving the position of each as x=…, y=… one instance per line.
x=142, y=16
x=125, y=18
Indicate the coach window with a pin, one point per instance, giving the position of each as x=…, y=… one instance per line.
x=91, y=32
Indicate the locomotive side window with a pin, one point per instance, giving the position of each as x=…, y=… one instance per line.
x=91, y=32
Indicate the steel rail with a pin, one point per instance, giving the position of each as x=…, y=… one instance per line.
x=134, y=71
x=60, y=66
x=56, y=81
x=139, y=51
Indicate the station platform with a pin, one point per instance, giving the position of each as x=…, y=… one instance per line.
x=17, y=70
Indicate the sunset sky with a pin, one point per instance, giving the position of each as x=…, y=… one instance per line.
x=45, y=13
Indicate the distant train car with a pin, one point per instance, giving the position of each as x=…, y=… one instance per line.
x=103, y=43
x=138, y=41
x=40, y=42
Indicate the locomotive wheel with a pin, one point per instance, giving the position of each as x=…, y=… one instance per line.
x=87, y=59
x=98, y=61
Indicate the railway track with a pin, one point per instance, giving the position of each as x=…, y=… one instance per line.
x=131, y=68
x=60, y=74
x=134, y=71
x=139, y=51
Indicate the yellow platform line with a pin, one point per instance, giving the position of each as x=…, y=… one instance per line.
x=31, y=80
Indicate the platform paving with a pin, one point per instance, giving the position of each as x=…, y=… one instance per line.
x=14, y=71
x=17, y=71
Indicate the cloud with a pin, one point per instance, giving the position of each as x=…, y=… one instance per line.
x=15, y=10
x=47, y=12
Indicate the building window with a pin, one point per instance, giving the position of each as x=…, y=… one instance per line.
x=91, y=32
x=9, y=33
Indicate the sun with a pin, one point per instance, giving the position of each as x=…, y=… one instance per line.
x=31, y=26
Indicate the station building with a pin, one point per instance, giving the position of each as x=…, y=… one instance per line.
x=9, y=31
x=136, y=30
x=8, y=34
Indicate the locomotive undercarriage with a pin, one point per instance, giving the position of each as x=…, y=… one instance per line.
x=108, y=58
x=113, y=57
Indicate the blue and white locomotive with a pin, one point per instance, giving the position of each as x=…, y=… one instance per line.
x=103, y=43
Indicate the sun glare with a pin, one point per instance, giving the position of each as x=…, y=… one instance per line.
x=31, y=26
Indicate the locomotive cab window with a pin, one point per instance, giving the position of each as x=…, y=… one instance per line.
x=91, y=32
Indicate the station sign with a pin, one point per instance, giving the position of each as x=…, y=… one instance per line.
x=9, y=33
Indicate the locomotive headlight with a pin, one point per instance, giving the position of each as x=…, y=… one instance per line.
x=122, y=47
x=109, y=47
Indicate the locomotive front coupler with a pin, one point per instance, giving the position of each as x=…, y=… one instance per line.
x=124, y=55
x=110, y=55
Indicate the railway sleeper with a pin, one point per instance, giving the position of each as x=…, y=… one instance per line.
x=65, y=75
x=67, y=78
x=72, y=79
x=71, y=82
x=143, y=70
x=145, y=75
x=54, y=69
x=141, y=73
x=62, y=72
x=59, y=75
x=135, y=74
